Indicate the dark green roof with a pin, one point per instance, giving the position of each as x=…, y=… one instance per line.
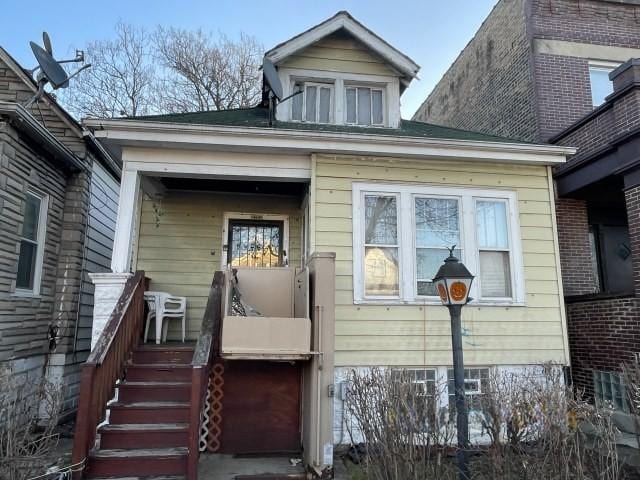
x=259, y=117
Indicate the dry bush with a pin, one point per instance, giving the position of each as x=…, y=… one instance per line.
x=28, y=418
x=532, y=427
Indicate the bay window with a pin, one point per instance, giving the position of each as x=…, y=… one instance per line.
x=402, y=235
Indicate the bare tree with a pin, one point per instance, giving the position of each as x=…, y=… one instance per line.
x=202, y=72
x=120, y=80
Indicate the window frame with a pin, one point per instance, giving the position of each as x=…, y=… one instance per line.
x=41, y=236
x=509, y=250
x=363, y=219
x=406, y=195
x=318, y=85
x=603, y=66
x=356, y=86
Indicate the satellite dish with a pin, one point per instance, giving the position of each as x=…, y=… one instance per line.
x=46, y=41
x=51, y=70
x=272, y=78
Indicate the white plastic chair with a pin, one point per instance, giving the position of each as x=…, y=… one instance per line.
x=164, y=306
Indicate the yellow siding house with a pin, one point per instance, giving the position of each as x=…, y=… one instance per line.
x=324, y=176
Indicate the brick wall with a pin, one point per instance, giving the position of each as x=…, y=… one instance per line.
x=603, y=333
x=615, y=23
x=632, y=200
x=508, y=89
x=563, y=92
x=489, y=87
x=573, y=237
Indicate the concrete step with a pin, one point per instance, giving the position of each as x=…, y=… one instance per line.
x=158, y=372
x=137, y=462
x=149, y=412
x=129, y=392
x=143, y=435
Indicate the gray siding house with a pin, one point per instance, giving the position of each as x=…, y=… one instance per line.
x=58, y=202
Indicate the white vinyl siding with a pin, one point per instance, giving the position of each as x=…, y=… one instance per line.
x=483, y=224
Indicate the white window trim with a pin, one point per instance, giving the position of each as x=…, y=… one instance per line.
x=390, y=85
x=372, y=87
x=253, y=216
x=406, y=255
x=41, y=241
x=319, y=84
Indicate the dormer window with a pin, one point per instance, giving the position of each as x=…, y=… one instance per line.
x=314, y=105
x=365, y=106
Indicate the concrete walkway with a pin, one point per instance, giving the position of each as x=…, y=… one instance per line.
x=227, y=467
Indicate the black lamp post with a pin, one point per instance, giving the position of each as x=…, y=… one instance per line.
x=453, y=282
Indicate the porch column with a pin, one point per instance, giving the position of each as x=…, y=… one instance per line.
x=318, y=391
x=632, y=200
x=109, y=286
x=127, y=208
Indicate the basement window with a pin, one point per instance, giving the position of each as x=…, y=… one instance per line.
x=608, y=389
x=476, y=383
x=32, y=244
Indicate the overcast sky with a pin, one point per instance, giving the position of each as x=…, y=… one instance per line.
x=431, y=32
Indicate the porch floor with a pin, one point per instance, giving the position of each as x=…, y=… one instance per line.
x=228, y=467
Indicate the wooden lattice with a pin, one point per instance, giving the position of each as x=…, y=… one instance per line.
x=211, y=429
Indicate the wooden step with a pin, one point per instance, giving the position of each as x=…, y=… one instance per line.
x=137, y=462
x=149, y=412
x=163, y=353
x=143, y=435
x=129, y=392
x=158, y=372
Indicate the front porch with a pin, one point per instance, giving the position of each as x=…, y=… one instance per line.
x=259, y=309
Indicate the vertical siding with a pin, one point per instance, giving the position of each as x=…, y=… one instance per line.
x=180, y=242
x=420, y=334
x=103, y=210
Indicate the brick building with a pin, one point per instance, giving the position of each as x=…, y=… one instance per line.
x=58, y=200
x=560, y=71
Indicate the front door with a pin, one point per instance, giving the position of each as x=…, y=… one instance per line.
x=255, y=243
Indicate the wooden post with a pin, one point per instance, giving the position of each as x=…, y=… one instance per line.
x=81, y=442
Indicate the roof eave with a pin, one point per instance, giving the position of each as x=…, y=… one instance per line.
x=395, y=57
x=27, y=123
x=144, y=133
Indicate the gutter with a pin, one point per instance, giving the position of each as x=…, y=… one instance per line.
x=138, y=132
x=109, y=162
x=27, y=123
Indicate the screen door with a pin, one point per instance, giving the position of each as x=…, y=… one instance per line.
x=255, y=243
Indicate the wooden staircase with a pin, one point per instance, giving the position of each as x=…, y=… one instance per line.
x=140, y=406
x=148, y=425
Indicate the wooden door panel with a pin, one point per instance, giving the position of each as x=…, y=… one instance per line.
x=261, y=407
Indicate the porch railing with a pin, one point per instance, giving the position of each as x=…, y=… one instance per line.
x=106, y=364
x=207, y=349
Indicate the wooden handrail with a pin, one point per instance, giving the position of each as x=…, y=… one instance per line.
x=207, y=349
x=106, y=364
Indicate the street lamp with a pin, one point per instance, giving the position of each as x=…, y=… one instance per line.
x=453, y=282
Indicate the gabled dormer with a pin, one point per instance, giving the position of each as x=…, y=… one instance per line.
x=347, y=74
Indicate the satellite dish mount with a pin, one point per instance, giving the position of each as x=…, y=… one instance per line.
x=50, y=70
x=274, y=86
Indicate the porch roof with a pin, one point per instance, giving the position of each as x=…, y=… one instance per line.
x=259, y=117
